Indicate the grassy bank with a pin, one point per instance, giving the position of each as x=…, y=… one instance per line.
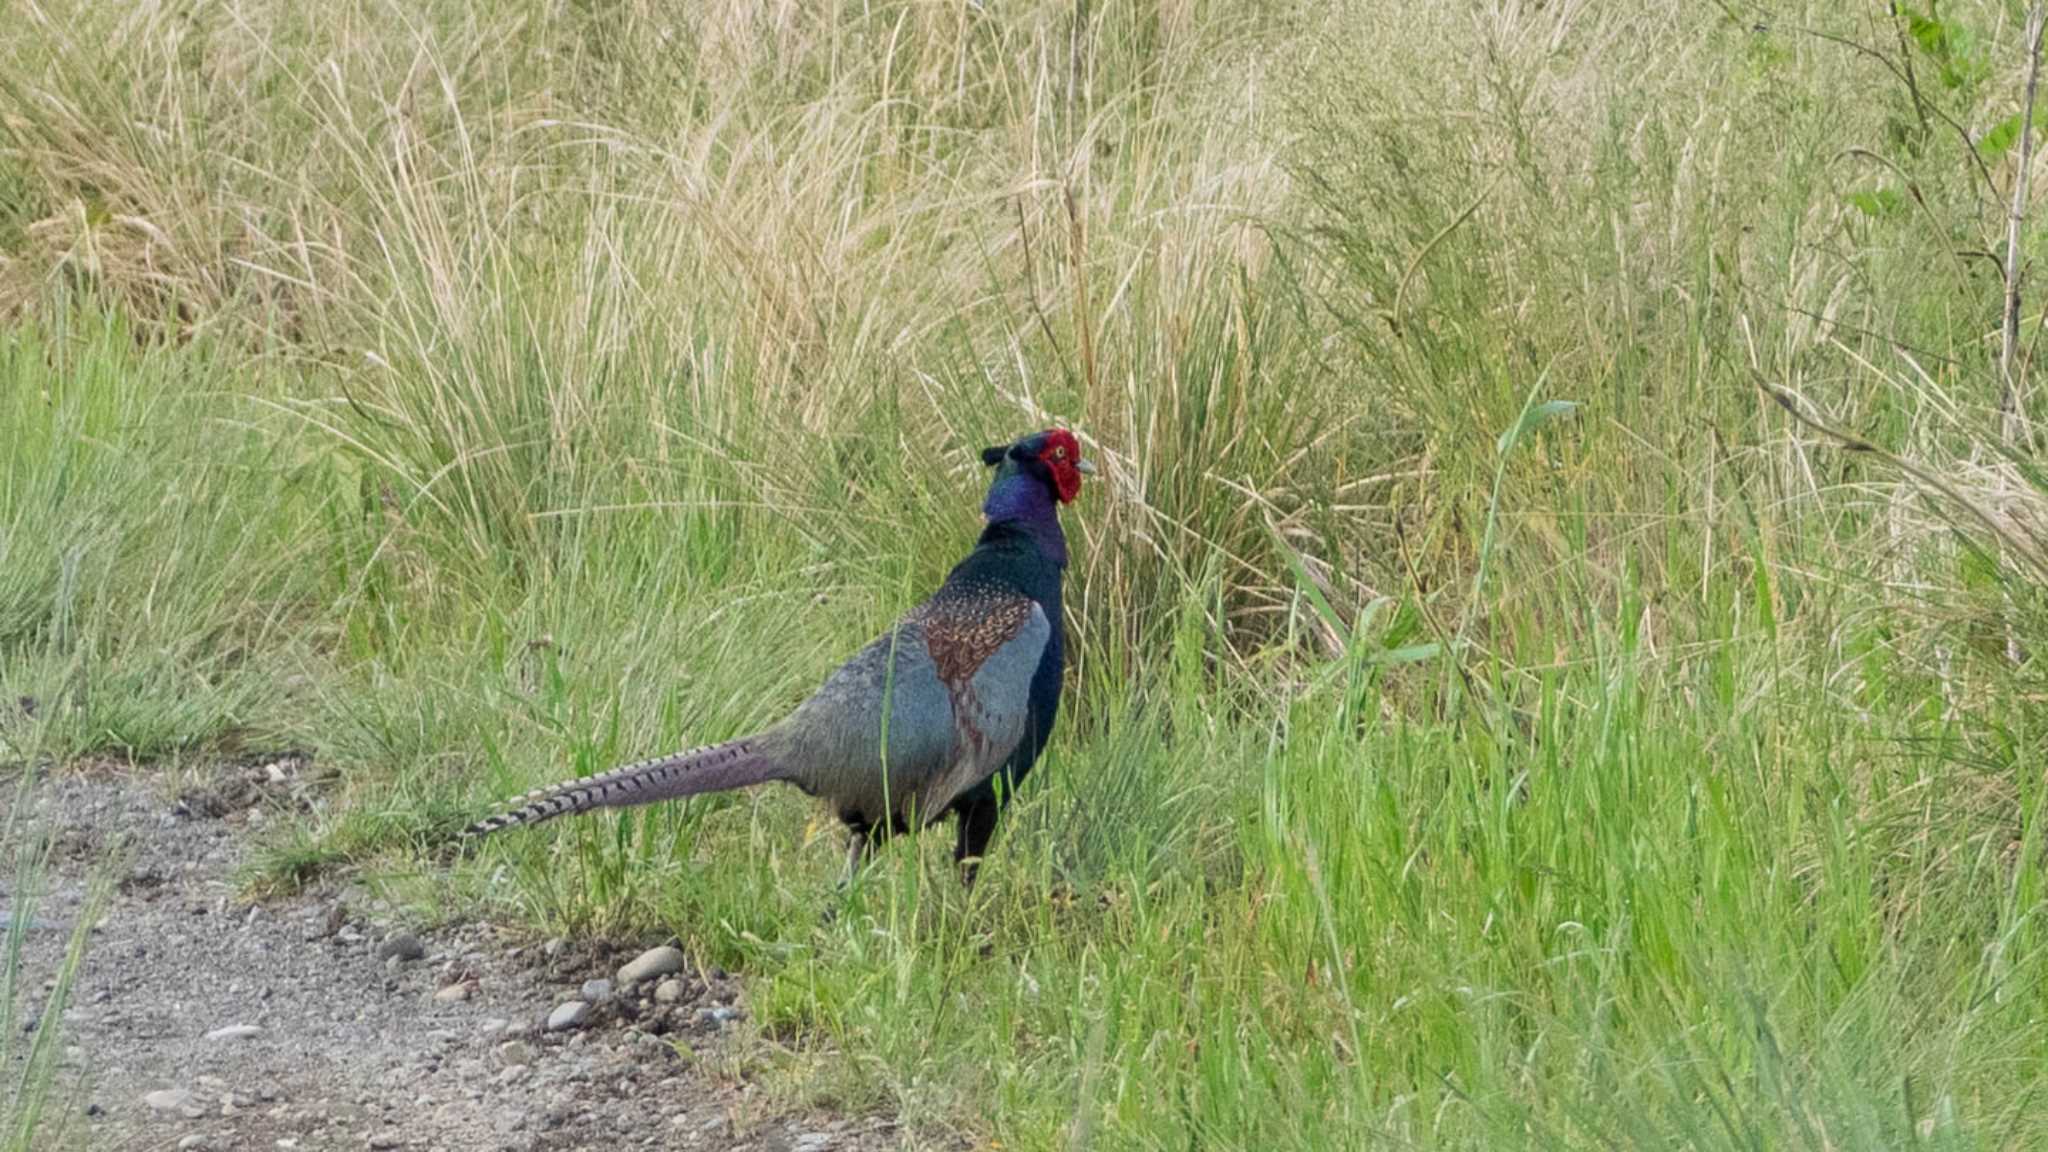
x=1494, y=721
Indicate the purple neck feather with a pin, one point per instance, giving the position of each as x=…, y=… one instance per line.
x=1023, y=502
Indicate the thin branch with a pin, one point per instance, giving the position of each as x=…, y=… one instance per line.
x=2012, y=417
x=1851, y=442
x=2009, y=402
x=1906, y=62
x=1969, y=145
x=1031, y=283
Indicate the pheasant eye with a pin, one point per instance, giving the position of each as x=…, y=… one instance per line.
x=1059, y=453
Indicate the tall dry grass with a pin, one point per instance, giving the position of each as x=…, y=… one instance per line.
x=1496, y=721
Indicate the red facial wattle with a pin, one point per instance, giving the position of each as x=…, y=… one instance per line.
x=1062, y=454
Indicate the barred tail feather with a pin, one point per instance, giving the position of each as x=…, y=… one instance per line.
x=713, y=768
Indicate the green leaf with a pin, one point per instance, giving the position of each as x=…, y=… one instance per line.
x=1930, y=34
x=1412, y=654
x=2000, y=139
x=1877, y=203
x=1533, y=417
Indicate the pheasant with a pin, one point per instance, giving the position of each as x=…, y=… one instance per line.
x=959, y=694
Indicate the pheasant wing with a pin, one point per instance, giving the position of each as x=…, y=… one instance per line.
x=985, y=648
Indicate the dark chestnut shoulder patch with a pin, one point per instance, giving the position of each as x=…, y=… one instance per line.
x=963, y=630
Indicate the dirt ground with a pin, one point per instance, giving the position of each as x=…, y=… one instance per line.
x=203, y=1021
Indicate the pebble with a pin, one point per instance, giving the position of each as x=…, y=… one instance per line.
x=176, y=1100
x=597, y=991
x=384, y=1140
x=235, y=1032
x=401, y=946
x=668, y=991
x=193, y=1143
x=514, y=1074
x=811, y=1142
x=720, y=1015
x=513, y=1052
x=567, y=1015
x=455, y=992
x=654, y=962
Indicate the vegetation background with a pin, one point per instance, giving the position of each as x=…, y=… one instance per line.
x=1495, y=722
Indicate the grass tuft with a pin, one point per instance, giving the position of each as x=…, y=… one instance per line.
x=1543, y=645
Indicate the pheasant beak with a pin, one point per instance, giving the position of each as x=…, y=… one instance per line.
x=1085, y=466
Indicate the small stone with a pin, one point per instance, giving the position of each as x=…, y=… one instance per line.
x=455, y=992
x=514, y=1052
x=654, y=962
x=567, y=1015
x=668, y=991
x=174, y=1100
x=597, y=991
x=514, y=1074
x=235, y=1032
x=811, y=1142
x=193, y=1143
x=401, y=946
x=383, y=1140
x=718, y=1016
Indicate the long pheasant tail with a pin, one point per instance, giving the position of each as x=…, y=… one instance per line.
x=714, y=768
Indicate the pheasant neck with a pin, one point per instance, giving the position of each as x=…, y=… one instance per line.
x=1020, y=505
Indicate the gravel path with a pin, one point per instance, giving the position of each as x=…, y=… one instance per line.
x=202, y=1022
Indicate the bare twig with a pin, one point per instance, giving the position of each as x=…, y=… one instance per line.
x=1906, y=62
x=1982, y=169
x=1851, y=442
x=2011, y=402
x=1031, y=285
x=1919, y=201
